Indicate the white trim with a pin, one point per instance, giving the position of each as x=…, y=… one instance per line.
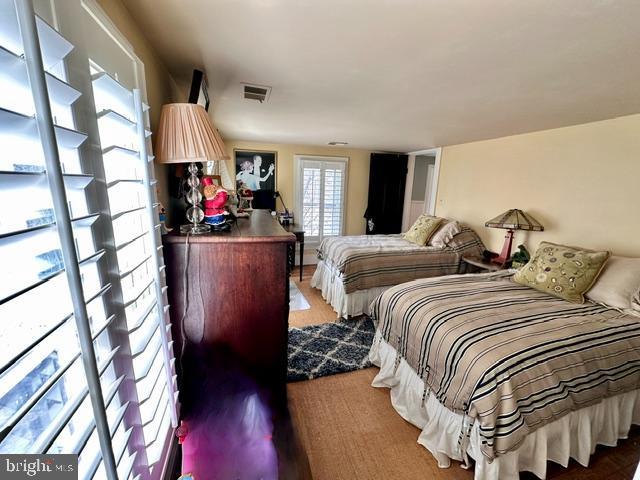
x=170, y=455
x=94, y=9
x=55, y=22
x=436, y=181
x=310, y=257
x=428, y=200
x=406, y=207
x=431, y=189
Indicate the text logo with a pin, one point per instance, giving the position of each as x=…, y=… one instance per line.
x=42, y=466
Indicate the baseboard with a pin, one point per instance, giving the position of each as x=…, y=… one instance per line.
x=310, y=255
x=308, y=260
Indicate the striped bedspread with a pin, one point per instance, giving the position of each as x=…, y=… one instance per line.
x=367, y=261
x=509, y=357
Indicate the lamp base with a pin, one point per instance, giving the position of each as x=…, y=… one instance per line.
x=505, y=255
x=195, y=228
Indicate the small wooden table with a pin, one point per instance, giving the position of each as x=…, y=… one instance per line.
x=298, y=231
x=482, y=264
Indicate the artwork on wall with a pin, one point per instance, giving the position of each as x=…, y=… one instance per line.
x=199, y=92
x=256, y=170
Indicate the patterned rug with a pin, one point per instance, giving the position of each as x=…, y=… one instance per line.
x=329, y=348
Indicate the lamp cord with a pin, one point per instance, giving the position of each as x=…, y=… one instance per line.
x=185, y=300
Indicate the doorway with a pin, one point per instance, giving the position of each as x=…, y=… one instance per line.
x=421, y=185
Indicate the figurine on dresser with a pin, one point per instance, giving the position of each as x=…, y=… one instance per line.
x=245, y=199
x=215, y=198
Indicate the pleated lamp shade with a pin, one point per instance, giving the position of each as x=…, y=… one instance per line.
x=186, y=135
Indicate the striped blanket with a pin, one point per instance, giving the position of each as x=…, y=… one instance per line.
x=367, y=261
x=507, y=356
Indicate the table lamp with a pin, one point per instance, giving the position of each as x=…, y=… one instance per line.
x=285, y=217
x=187, y=135
x=513, y=219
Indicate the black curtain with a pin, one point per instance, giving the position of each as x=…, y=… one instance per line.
x=387, y=177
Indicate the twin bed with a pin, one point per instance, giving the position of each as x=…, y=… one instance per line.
x=486, y=368
x=504, y=374
x=352, y=271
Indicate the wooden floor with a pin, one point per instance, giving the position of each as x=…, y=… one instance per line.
x=350, y=430
x=320, y=311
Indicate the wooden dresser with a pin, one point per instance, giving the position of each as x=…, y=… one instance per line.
x=236, y=288
x=233, y=369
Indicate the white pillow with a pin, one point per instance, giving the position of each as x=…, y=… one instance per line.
x=618, y=284
x=444, y=234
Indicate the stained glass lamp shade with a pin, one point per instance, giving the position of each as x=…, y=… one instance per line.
x=187, y=135
x=511, y=220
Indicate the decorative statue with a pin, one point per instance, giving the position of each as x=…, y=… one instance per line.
x=520, y=258
x=214, y=202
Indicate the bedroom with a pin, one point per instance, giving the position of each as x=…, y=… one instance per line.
x=323, y=110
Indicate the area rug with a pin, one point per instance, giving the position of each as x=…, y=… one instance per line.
x=329, y=348
x=296, y=298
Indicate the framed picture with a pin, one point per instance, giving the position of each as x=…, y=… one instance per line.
x=257, y=171
x=199, y=92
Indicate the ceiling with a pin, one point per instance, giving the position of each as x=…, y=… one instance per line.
x=402, y=75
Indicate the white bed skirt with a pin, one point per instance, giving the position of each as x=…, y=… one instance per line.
x=573, y=436
x=346, y=305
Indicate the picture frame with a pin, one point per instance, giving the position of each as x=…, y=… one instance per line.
x=256, y=169
x=199, y=91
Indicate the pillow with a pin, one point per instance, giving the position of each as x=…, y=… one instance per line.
x=566, y=272
x=619, y=284
x=422, y=229
x=445, y=233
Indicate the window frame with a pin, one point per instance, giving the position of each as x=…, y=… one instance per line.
x=298, y=162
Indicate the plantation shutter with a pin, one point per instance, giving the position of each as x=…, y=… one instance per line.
x=322, y=184
x=333, y=182
x=311, y=198
x=86, y=365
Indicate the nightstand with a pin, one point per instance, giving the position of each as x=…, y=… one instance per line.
x=298, y=231
x=474, y=264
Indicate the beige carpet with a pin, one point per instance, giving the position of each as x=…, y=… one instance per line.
x=349, y=429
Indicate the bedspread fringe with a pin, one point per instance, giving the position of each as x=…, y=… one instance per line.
x=453, y=436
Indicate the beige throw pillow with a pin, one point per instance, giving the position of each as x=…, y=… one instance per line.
x=619, y=284
x=422, y=229
x=445, y=233
x=566, y=272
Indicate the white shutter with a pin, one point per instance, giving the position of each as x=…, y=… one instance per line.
x=123, y=138
x=311, y=197
x=333, y=201
x=45, y=401
x=321, y=196
x=45, y=404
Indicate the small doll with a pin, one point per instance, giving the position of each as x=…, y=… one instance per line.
x=245, y=198
x=214, y=202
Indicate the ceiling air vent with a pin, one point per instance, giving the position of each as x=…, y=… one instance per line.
x=256, y=92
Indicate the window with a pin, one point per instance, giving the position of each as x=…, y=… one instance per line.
x=320, y=195
x=116, y=312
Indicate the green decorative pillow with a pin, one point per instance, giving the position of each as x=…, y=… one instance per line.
x=421, y=231
x=566, y=272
